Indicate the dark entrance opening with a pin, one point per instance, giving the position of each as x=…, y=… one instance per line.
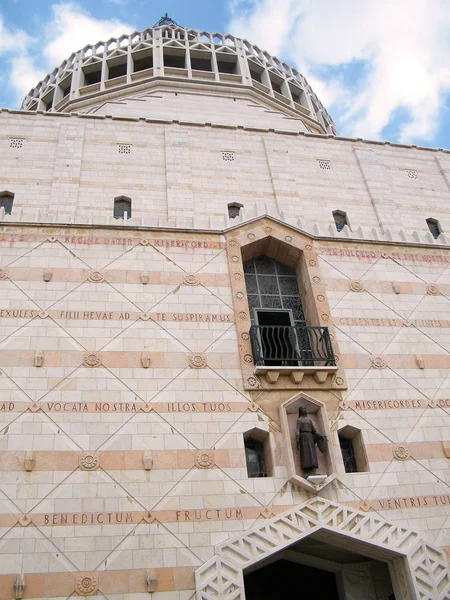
x=286, y=579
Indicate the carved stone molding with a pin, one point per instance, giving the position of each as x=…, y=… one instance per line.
x=191, y=280
x=433, y=290
x=24, y=520
x=86, y=584
x=197, y=361
x=3, y=273
x=401, y=452
x=47, y=275
x=145, y=278
x=89, y=461
x=92, y=359
x=96, y=277
x=204, y=459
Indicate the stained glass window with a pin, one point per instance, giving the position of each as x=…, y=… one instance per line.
x=270, y=284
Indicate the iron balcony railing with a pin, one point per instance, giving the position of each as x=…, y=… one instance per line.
x=291, y=345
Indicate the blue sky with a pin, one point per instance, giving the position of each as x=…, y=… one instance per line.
x=381, y=67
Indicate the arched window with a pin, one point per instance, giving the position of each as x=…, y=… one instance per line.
x=340, y=219
x=434, y=227
x=6, y=201
x=122, y=205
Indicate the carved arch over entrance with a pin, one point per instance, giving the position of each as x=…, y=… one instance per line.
x=419, y=570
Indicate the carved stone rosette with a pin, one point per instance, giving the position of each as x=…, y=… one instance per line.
x=86, y=584
x=96, y=277
x=356, y=286
x=204, y=459
x=197, y=361
x=3, y=274
x=89, y=461
x=378, y=362
x=92, y=359
x=401, y=452
x=432, y=289
x=191, y=280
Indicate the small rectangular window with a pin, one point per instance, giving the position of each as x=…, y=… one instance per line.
x=6, y=202
x=340, y=219
x=16, y=143
x=434, y=227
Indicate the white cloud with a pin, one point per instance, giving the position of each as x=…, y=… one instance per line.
x=403, y=45
x=70, y=29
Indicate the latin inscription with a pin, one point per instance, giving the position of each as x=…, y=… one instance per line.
x=391, y=322
x=412, y=502
x=124, y=407
x=213, y=514
x=395, y=404
x=366, y=254
x=116, y=315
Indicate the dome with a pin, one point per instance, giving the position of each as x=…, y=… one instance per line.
x=168, y=56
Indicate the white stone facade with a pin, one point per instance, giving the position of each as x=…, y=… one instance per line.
x=128, y=380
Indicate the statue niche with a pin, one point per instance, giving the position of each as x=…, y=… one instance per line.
x=307, y=437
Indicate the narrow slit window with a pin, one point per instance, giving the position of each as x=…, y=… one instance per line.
x=255, y=458
x=352, y=448
x=121, y=206
x=434, y=227
x=6, y=202
x=340, y=219
x=348, y=455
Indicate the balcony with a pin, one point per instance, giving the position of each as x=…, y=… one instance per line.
x=292, y=350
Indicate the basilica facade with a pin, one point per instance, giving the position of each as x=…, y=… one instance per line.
x=190, y=254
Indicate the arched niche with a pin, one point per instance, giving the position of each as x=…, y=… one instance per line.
x=317, y=413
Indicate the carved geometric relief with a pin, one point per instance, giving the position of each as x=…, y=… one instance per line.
x=428, y=577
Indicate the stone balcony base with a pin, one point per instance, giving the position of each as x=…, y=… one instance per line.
x=272, y=374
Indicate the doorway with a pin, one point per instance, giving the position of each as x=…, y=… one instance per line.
x=286, y=579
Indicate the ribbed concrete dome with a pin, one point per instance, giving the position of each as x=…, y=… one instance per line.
x=167, y=54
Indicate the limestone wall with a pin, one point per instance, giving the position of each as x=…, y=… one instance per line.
x=69, y=169
x=120, y=373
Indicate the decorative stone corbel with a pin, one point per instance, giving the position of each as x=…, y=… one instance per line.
x=19, y=586
x=396, y=288
x=148, y=460
x=145, y=278
x=150, y=580
x=297, y=376
x=145, y=360
x=446, y=447
x=420, y=361
x=39, y=358
x=29, y=460
x=321, y=376
x=47, y=275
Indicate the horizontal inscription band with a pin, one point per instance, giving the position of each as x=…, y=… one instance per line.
x=206, y=514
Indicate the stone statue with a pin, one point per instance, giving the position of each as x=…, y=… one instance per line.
x=307, y=436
